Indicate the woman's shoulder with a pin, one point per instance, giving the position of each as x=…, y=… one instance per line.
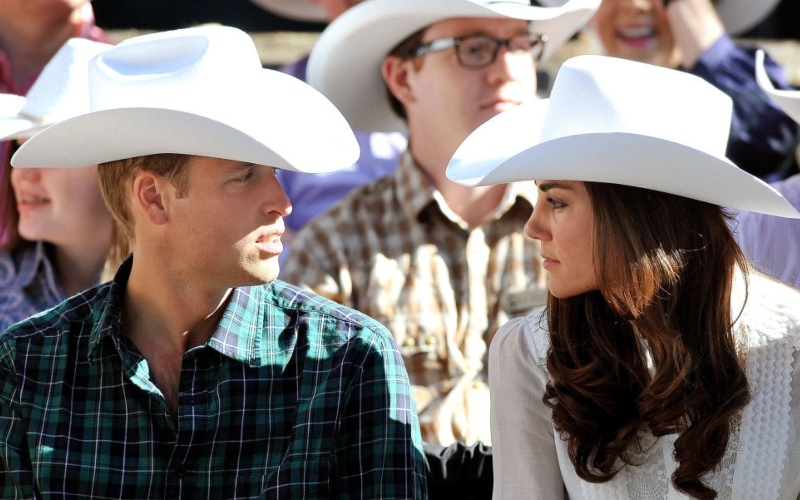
x=524, y=336
x=771, y=312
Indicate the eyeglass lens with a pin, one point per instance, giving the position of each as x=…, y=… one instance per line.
x=482, y=50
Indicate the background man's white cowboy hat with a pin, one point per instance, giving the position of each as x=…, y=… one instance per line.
x=621, y=122
x=60, y=91
x=197, y=91
x=345, y=63
x=300, y=10
x=739, y=16
x=787, y=100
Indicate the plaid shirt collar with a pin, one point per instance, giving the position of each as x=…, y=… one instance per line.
x=417, y=193
x=236, y=335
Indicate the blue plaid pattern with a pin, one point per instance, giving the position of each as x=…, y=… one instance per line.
x=293, y=396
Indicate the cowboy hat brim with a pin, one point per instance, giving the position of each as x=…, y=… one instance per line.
x=739, y=16
x=291, y=126
x=615, y=157
x=299, y=10
x=12, y=125
x=345, y=63
x=787, y=100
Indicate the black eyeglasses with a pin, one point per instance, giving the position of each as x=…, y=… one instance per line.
x=479, y=51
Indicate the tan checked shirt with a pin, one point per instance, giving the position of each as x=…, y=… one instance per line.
x=394, y=250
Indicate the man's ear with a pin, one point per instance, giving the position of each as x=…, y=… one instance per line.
x=149, y=197
x=396, y=72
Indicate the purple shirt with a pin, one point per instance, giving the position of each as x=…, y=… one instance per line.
x=28, y=284
x=763, y=138
x=774, y=242
x=313, y=194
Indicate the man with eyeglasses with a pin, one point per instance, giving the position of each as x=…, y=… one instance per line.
x=442, y=265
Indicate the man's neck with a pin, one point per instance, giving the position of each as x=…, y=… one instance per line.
x=161, y=310
x=473, y=204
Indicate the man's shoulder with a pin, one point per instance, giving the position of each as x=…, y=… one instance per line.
x=83, y=308
x=309, y=306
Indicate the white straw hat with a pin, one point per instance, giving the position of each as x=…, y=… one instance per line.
x=739, y=16
x=196, y=91
x=300, y=10
x=60, y=91
x=345, y=63
x=787, y=100
x=621, y=122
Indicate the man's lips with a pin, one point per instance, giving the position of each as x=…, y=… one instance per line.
x=500, y=103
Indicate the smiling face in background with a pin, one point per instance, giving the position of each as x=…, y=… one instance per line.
x=637, y=30
x=563, y=221
x=228, y=227
x=62, y=206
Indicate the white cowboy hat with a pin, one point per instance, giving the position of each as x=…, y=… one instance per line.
x=787, y=100
x=196, y=91
x=621, y=122
x=739, y=16
x=345, y=62
x=60, y=91
x=300, y=10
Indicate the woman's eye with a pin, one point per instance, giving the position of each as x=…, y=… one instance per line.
x=555, y=203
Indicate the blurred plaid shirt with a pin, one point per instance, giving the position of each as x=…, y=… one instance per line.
x=394, y=250
x=292, y=397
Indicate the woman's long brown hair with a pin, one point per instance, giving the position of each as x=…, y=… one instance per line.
x=665, y=267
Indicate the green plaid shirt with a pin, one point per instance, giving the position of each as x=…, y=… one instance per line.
x=292, y=397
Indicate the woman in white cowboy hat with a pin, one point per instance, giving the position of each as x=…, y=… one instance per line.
x=695, y=36
x=662, y=365
x=61, y=239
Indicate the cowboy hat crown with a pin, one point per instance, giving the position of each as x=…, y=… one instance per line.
x=196, y=91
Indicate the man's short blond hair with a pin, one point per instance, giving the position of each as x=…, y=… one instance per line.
x=116, y=182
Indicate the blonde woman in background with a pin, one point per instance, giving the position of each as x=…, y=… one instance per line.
x=62, y=239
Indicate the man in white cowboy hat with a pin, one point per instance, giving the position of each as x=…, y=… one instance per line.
x=313, y=194
x=774, y=242
x=195, y=373
x=695, y=36
x=442, y=266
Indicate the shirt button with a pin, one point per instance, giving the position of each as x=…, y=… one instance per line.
x=408, y=342
x=430, y=340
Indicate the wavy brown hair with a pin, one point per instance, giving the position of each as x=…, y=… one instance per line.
x=665, y=267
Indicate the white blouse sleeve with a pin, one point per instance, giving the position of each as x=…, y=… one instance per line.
x=523, y=442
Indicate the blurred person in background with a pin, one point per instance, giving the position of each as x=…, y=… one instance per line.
x=774, y=242
x=61, y=239
x=313, y=194
x=695, y=36
x=31, y=32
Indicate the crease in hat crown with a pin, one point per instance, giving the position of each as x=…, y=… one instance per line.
x=60, y=91
x=621, y=122
x=197, y=91
x=345, y=62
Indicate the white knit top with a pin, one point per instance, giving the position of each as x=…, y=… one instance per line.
x=762, y=460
